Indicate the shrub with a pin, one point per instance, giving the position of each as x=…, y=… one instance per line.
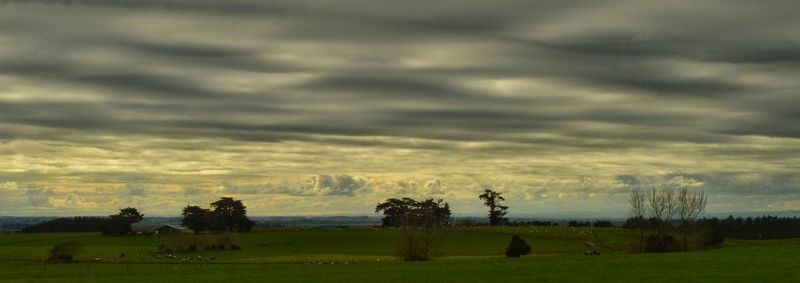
x=712, y=233
x=661, y=244
x=517, y=247
x=193, y=243
x=228, y=240
x=64, y=251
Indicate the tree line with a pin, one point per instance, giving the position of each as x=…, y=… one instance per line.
x=761, y=227
x=116, y=224
x=224, y=215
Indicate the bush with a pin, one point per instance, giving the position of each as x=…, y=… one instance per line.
x=228, y=241
x=517, y=247
x=712, y=232
x=661, y=244
x=193, y=243
x=64, y=252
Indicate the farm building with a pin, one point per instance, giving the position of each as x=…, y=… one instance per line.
x=172, y=229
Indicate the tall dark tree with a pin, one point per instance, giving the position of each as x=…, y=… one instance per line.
x=231, y=215
x=395, y=211
x=120, y=223
x=198, y=219
x=497, y=211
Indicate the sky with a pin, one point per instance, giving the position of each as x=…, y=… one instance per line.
x=329, y=107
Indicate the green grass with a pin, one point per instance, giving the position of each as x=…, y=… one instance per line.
x=469, y=255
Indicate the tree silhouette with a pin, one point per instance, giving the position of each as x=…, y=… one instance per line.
x=410, y=212
x=120, y=223
x=198, y=219
x=497, y=211
x=395, y=211
x=231, y=215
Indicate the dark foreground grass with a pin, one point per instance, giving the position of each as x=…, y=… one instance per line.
x=350, y=261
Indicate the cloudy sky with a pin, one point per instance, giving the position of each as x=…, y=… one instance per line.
x=327, y=107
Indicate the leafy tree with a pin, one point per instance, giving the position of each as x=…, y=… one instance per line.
x=395, y=211
x=120, y=223
x=231, y=215
x=421, y=222
x=409, y=212
x=497, y=211
x=517, y=247
x=422, y=234
x=196, y=218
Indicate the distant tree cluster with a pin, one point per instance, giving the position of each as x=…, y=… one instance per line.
x=68, y=224
x=762, y=227
x=226, y=214
x=533, y=223
x=602, y=224
x=579, y=224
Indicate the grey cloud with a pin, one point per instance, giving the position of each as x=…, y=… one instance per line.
x=229, y=188
x=191, y=191
x=336, y=185
x=134, y=190
x=39, y=196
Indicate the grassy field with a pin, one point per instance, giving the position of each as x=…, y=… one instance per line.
x=469, y=255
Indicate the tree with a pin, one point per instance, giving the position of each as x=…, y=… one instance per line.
x=637, y=213
x=421, y=222
x=517, y=247
x=422, y=234
x=690, y=207
x=231, y=215
x=395, y=211
x=120, y=223
x=405, y=212
x=196, y=218
x=497, y=211
x=662, y=206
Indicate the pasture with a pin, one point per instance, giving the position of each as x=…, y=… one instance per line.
x=366, y=255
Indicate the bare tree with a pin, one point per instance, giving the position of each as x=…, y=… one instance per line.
x=663, y=206
x=638, y=211
x=690, y=207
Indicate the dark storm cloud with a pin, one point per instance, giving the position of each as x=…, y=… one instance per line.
x=370, y=82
